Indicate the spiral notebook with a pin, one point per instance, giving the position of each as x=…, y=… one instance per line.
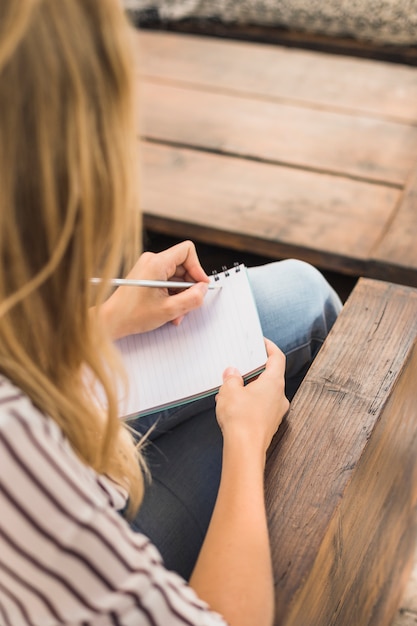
x=177, y=364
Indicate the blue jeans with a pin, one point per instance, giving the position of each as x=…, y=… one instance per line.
x=297, y=308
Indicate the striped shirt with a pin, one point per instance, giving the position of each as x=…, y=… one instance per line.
x=66, y=555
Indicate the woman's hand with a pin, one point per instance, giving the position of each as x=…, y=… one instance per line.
x=132, y=310
x=251, y=414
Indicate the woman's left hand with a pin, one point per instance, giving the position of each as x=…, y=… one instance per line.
x=132, y=310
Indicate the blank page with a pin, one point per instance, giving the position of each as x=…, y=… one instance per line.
x=175, y=364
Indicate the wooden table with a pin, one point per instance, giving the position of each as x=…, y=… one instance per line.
x=280, y=152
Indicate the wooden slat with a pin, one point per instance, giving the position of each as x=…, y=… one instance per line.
x=314, y=78
x=341, y=482
x=265, y=209
x=396, y=254
x=409, y=599
x=298, y=136
x=299, y=113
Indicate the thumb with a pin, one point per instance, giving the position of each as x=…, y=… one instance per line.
x=232, y=374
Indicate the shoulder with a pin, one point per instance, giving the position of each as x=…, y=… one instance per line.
x=21, y=423
x=19, y=415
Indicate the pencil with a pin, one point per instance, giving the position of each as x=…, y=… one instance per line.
x=169, y=284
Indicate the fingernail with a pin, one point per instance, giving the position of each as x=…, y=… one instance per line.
x=231, y=371
x=203, y=287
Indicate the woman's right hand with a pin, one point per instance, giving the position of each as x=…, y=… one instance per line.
x=251, y=414
x=131, y=310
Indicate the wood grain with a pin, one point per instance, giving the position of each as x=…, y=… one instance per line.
x=291, y=153
x=266, y=209
x=358, y=146
x=314, y=78
x=397, y=249
x=342, y=476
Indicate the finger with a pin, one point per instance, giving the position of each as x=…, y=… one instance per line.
x=231, y=375
x=178, y=305
x=187, y=263
x=271, y=347
x=231, y=372
x=275, y=365
x=177, y=321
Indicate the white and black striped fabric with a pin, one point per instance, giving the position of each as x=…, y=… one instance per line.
x=66, y=555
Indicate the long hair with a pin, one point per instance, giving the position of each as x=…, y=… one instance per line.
x=67, y=202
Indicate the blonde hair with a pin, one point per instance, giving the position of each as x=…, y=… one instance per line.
x=67, y=159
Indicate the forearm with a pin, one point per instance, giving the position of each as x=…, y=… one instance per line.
x=233, y=572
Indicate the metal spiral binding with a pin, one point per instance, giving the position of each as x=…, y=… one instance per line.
x=226, y=271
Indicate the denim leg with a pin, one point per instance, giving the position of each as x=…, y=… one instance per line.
x=185, y=464
x=297, y=308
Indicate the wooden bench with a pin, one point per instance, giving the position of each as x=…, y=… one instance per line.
x=341, y=480
x=280, y=152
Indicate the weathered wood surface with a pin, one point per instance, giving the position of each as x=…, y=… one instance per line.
x=304, y=137
x=341, y=483
x=335, y=136
x=407, y=613
x=398, y=246
x=317, y=79
x=262, y=208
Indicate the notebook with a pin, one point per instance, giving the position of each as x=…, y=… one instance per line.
x=177, y=364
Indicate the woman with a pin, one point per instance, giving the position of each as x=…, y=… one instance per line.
x=70, y=473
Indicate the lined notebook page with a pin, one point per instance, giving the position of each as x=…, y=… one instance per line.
x=175, y=364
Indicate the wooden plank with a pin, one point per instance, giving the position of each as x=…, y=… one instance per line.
x=405, y=618
x=314, y=78
x=409, y=598
x=357, y=146
x=395, y=256
x=341, y=482
x=265, y=209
